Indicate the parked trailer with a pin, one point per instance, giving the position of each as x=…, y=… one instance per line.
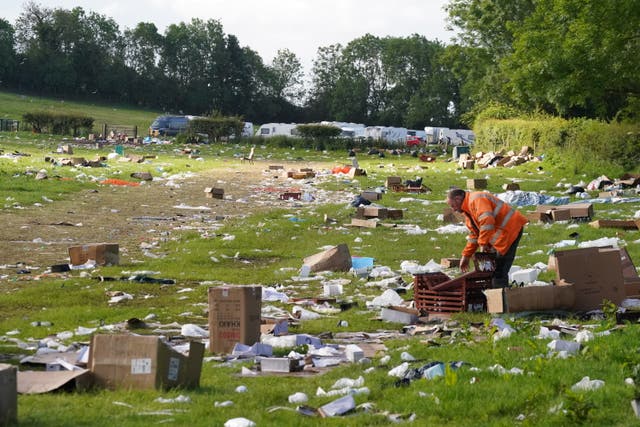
x=272, y=129
x=457, y=136
x=388, y=134
x=349, y=129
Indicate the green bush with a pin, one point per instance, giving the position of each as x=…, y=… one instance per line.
x=315, y=131
x=59, y=123
x=217, y=127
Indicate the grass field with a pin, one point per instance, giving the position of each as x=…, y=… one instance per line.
x=266, y=247
x=13, y=106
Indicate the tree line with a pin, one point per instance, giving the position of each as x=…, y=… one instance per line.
x=569, y=58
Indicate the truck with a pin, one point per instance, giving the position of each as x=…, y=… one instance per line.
x=446, y=136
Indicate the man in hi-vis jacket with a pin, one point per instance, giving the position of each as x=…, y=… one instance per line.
x=494, y=227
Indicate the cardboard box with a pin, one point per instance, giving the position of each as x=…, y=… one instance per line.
x=8, y=394
x=596, y=274
x=143, y=362
x=371, y=195
x=398, y=314
x=280, y=364
x=101, y=253
x=629, y=224
x=512, y=186
x=393, y=180
x=576, y=210
x=234, y=316
x=451, y=217
x=450, y=262
x=476, y=184
x=560, y=214
x=530, y=298
x=214, y=193
x=538, y=217
x=336, y=258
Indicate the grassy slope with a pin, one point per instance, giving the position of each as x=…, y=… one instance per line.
x=464, y=397
x=13, y=106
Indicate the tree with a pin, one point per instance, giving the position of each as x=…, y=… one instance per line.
x=288, y=77
x=7, y=53
x=577, y=57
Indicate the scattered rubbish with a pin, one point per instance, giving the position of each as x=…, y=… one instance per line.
x=223, y=404
x=298, y=397
x=179, y=399
x=338, y=407
x=241, y=389
x=587, y=384
x=239, y=422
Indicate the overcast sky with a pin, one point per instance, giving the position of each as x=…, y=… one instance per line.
x=268, y=25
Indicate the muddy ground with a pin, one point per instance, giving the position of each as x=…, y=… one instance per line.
x=37, y=237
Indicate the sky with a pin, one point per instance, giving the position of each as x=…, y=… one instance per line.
x=265, y=26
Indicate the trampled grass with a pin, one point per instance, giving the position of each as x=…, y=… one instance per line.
x=267, y=248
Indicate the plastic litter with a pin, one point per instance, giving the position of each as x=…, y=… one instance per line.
x=348, y=382
x=407, y=357
x=388, y=297
x=587, y=384
x=179, y=399
x=239, y=422
x=399, y=371
x=224, y=404
x=434, y=371
x=337, y=407
x=195, y=331
x=241, y=389
x=584, y=336
x=298, y=397
x=546, y=333
x=570, y=347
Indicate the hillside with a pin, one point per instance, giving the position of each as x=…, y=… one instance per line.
x=13, y=106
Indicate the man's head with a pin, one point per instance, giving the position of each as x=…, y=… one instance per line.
x=455, y=199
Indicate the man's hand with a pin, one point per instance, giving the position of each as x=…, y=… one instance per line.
x=464, y=264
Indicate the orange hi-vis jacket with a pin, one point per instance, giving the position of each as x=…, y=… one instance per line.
x=490, y=222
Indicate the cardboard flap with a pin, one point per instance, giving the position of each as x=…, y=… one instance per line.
x=35, y=382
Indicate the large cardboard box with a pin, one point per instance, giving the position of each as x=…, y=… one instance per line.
x=596, y=274
x=143, y=362
x=476, y=184
x=8, y=394
x=101, y=253
x=530, y=298
x=336, y=258
x=234, y=316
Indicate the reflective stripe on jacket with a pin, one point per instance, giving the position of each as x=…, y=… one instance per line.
x=490, y=222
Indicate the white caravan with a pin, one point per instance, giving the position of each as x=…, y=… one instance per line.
x=247, y=130
x=349, y=129
x=272, y=129
x=389, y=134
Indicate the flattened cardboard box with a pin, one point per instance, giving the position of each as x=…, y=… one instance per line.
x=101, y=253
x=234, y=316
x=8, y=394
x=143, y=362
x=530, y=298
x=596, y=274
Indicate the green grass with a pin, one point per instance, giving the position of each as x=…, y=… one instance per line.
x=270, y=248
x=13, y=106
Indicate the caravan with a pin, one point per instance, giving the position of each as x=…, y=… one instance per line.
x=442, y=135
x=349, y=130
x=388, y=134
x=272, y=129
